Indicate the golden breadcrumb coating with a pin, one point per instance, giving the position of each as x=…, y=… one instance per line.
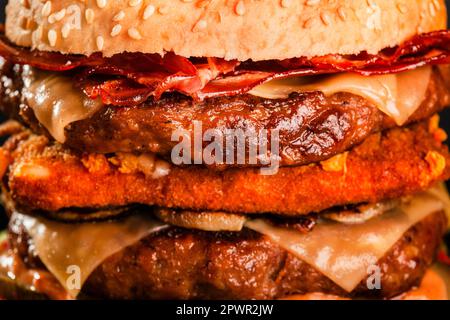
x=392, y=164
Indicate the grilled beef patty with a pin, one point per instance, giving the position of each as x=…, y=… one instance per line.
x=312, y=126
x=186, y=264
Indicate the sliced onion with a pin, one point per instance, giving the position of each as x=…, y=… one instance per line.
x=361, y=213
x=82, y=216
x=206, y=221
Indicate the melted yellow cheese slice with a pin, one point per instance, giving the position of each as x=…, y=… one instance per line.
x=341, y=252
x=55, y=102
x=397, y=95
x=345, y=253
x=442, y=192
x=75, y=250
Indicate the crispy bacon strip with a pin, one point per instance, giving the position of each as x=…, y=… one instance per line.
x=131, y=78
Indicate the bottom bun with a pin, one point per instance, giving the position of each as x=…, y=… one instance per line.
x=433, y=287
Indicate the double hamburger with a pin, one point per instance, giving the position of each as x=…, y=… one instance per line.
x=105, y=178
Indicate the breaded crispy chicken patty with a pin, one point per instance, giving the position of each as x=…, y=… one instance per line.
x=312, y=127
x=187, y=264
x=45, y=176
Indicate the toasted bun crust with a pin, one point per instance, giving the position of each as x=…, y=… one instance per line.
x=238, y=29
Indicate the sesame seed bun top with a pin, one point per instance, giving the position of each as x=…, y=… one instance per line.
x=239, y=29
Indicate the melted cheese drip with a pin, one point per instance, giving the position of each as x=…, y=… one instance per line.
x=345, y=252
x=442, y=192
x=86, y=245
x=397, y=95
x=432, y=287
x=342, y=252
x=55, y=102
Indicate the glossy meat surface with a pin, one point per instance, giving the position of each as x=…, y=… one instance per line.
x=312, y=127
x=398, y=162
x=186, y=264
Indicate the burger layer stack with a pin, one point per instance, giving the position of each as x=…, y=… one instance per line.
x=223, y=149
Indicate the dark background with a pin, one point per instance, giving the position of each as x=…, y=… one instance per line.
x=445, y=116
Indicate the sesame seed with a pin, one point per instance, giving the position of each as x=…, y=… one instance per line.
x=134, y=3
x=100, y=42
x=372, y=5
x=422, y=15
x=203, y=3
x=52, y=37
x=312, y=2
x=200, y=25
x=149, y=11
x=240, y=8
x=57, y=16
x=437, y=5
x=38, y=33
x=432, y=9
x=60, y=15
x=89, y=15
x=65, y=30
x=285, y=3
x=47, y=8
x=325, y=17
x=309, y=23
x=402, y=8
x=134, y=34
x=116, y=30
x=101, y=3
x=341, y=13
x=119, y=16
x=219, y=16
